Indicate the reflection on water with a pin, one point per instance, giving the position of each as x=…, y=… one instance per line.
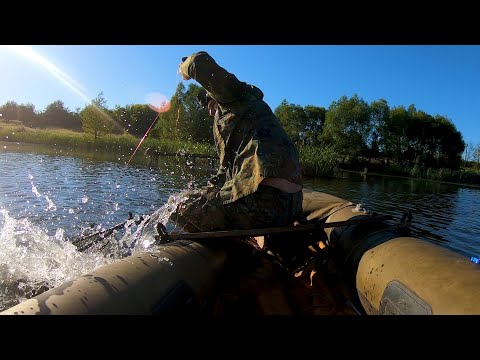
x=443, y=213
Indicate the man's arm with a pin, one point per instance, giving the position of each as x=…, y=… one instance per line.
x=218, y=179
x=223, y=86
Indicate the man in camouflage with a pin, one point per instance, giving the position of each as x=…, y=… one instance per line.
x=259, y=180
x=258, y=183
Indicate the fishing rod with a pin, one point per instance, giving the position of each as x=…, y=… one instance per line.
x=159, y=110
x=144, y=137
x=102, y=234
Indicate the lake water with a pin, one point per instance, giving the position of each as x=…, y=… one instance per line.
x=50, y=196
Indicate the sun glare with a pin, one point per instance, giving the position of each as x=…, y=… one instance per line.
x=30, y=54
x=158, y=102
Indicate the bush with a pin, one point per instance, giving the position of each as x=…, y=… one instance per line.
x=318, y=161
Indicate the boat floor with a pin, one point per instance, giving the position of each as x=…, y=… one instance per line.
x=270, y=289
x=298, y=300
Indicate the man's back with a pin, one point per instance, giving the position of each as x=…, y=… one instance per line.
x=251, y=142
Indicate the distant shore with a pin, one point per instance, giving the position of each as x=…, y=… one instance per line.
x=475, y=186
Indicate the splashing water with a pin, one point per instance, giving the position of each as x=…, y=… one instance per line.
x=50, y=204
x=32, y=261
x=146, y=238
x=35, y=190
x=138, y=234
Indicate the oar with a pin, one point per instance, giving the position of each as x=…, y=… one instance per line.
x=165, y=237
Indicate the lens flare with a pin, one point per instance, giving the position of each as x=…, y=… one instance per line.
x=158, y=102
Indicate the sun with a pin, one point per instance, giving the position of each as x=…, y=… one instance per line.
x=158, y=102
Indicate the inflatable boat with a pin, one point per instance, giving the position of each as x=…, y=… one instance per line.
x=349, y=262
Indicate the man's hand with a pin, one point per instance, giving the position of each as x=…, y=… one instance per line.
x=184, y=76
x=210, y=192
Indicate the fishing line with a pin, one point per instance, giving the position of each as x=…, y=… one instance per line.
x=162, y=108
x=143, y=138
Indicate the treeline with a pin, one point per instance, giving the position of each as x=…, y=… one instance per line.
x=184, y=121
x=349, y=128
x=55, y=115
x=356, y=129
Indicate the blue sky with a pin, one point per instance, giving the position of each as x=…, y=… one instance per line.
x=438, y=79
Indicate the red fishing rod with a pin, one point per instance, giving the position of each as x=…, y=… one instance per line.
x=159, y=110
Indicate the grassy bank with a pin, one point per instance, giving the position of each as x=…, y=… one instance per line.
x=462, y=176
x=324, y=162
x=316, y=162
x=123, y=144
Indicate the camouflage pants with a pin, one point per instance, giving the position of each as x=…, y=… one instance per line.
x=267, y=207
x=258, y=280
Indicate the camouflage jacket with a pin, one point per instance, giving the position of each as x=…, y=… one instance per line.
x=250, y=140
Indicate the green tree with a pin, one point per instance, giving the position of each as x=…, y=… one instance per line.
x=314, y=124
x=96, y=118
x=379, y=118
x=394, y=139
x=134, y=119
x=197, y=123
x=449, y=144
x=171, y=124
x=419, y=132
x=27, y=116
x=74, y=121
x=56, y=115
x=347, y=125
x=9, y=110
x=294, y=120
x=476, y=155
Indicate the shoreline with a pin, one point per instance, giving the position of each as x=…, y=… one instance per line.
x=474, y=186
x=146, y=159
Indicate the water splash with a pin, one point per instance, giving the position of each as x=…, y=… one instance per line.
x=143, y=237
x=35, y=191
x=32, y=261
x=50, y=204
